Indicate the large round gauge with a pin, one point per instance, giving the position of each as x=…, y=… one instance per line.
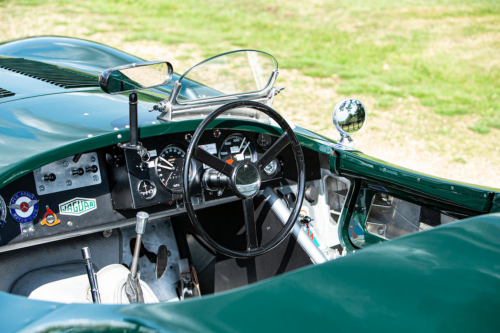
x=169, y=164
x=237, y=148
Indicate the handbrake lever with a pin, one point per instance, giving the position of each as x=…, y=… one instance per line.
x=94, y=288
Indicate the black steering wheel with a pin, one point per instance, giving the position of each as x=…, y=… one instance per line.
x=245, y=180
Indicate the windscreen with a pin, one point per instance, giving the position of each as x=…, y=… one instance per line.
x=228, y=74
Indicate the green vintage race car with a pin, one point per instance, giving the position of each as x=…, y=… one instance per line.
x=134, y=199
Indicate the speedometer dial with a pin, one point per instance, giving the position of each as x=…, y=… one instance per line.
x=237, y=148
x=169, y=165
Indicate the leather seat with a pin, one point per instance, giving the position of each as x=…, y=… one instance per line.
x=111, y=282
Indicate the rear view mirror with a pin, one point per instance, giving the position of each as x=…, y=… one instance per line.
x=132, y=77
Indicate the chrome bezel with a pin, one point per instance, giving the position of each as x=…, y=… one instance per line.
x=235, y=185
x=275, y=170
x=193, y=167
x=154, y=186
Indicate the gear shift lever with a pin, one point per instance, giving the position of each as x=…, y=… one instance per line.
x=140, y=229
x=133, y=286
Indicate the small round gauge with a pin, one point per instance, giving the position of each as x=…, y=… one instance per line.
x=169, y=165
x=264, y=140
x=271, y=168
x=146, y=189
x=237, y=148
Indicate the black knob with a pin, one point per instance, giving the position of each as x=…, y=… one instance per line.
x=92, y=169
x=77, y=172
x=312, y=194
x=49, y=178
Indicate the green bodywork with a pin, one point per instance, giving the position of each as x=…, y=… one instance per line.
x=441, y=280
x=445, y=279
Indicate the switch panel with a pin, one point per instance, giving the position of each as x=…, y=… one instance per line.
x=67, y=174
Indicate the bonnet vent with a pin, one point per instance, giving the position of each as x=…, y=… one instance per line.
x=5, y=93
x=48, y=73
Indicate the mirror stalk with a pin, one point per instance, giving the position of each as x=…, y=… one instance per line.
x=134, y=143
x=134, y=128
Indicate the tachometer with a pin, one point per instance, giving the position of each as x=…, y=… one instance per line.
x=169, y=165
x=237, y=148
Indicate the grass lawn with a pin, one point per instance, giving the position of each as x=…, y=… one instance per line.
x=428, y=71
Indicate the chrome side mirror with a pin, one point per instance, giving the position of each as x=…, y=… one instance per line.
x=349, y=116
x=133, y=77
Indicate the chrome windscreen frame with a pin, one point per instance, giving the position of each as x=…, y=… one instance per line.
x=172, y=108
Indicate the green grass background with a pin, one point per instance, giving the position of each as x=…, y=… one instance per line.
x=353, y=39
x=436, y=58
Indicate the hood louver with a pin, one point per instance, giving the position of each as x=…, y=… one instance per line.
x=48, y=73
x=5, y=93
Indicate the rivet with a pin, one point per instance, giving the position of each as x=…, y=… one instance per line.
x=380, y=231
x=452, y=188
x=119, y=136
x=70, y=223
x=68, y=183
x=41, y=188
x=92, y=159
x=95, y=178
x=65, y=164
x=383, y=169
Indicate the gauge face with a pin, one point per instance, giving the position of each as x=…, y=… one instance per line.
x=264, y=140
x=271, y=168
x=169, y=164
x=146, y=189
x=236, y=149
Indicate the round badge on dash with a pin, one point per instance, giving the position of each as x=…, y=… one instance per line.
x=3, y=212
x=23, y=207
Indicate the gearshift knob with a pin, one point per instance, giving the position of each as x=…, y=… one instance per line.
x=86, y=253
x=142, y=219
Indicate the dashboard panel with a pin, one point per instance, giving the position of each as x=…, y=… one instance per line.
x=103, y=189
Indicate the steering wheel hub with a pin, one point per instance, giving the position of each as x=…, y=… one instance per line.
x=246, y=180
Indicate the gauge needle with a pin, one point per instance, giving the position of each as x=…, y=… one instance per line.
x=241, y=155
x=165, y=167
x=242, y=143
x=167, y=162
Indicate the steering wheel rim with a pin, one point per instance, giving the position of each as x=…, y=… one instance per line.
x=287, y=138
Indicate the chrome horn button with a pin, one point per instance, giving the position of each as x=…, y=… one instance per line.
x=246, y=180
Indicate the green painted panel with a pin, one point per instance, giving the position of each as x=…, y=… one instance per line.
x=471, y=196
x=424, y=282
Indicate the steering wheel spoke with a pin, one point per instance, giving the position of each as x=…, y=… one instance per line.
x=280, y=144
x=213, y=162
x=251, y=228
